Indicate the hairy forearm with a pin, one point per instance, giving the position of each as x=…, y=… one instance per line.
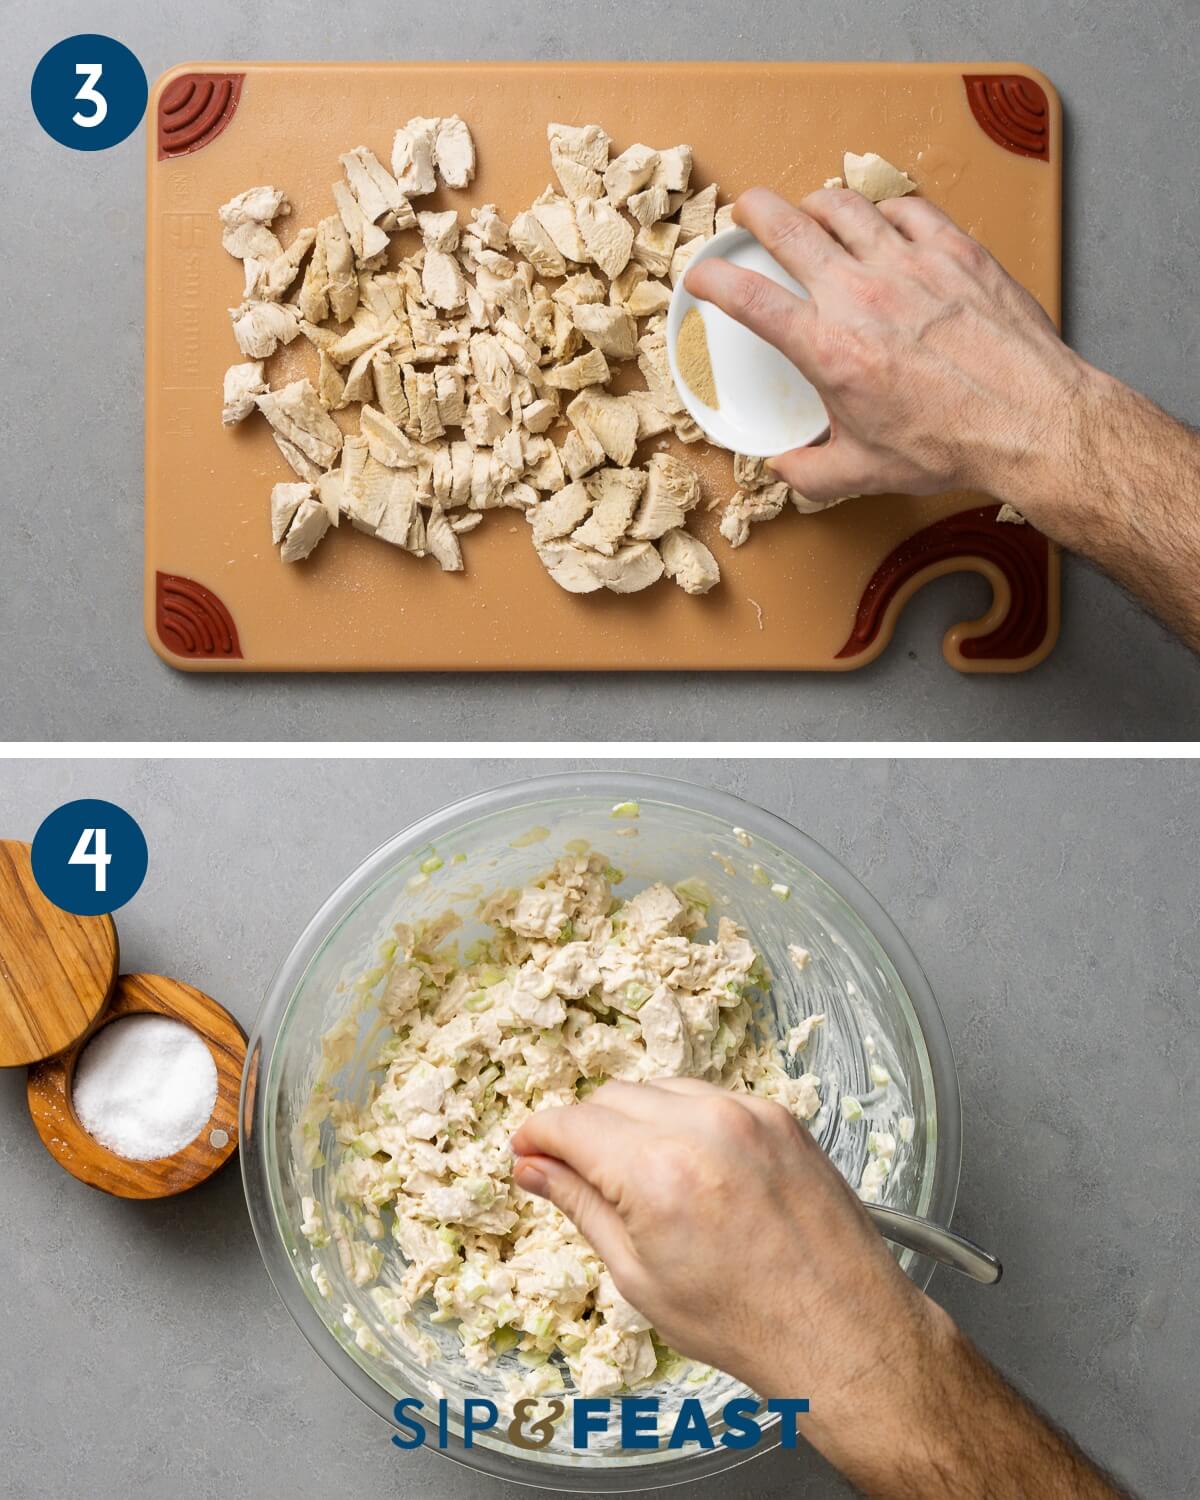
x=1119, y=483
x=951, y=1428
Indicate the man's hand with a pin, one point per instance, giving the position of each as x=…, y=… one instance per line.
x=940, y=372
x=724, y=1223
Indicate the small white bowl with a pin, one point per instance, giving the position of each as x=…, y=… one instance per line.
x=766, y=405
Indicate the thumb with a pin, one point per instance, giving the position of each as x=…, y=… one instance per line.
x=591, y=1213
x=825, y=474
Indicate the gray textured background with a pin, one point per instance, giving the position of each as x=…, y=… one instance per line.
x=75, y=665
x=144, y=1353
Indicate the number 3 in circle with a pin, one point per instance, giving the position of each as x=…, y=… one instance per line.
x=90, y=73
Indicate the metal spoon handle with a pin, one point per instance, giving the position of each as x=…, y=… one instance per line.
x=940, y=1244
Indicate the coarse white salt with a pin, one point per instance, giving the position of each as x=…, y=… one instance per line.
x=145, y=1086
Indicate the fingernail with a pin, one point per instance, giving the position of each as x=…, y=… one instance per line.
x=531, y=1179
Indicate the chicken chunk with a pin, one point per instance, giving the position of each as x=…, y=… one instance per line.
x=299, y=418
x=534, y=243
x=688, y=562
x=875, y=178
x=672, y=490
x=589, y=369
x=626, y=173
x=307, y=525
x=377, y=191
x=413, y=157
x=696, y=215
x=257, y=205
x=631, y=568
x=242, y=384
x=260, y=327
x=615, y=494
x=612, y=330
x=557, y=216
x=561, y=513
x=607, y=235
x=441, y=541
x=749, y=506
x=454, y=152
x=612, y=420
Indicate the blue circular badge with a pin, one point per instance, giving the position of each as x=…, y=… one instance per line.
x=89, y=857
x=89, y=92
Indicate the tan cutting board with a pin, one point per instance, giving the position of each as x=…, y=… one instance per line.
x=818, y=592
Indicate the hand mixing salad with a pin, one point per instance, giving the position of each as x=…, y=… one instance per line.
x=573, y=986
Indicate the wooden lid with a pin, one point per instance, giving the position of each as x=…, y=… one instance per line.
x=51, y=1084
x=56, y=970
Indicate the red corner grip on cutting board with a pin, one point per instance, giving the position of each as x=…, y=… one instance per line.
x=1013, y=110
x=191, y=620
x=1020, y=553
x=194, y=109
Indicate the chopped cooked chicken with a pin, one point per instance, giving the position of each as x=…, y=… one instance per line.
x=442, y=541
x=632, y=568
x=582, y=451
x=610, y=329
x=389, y=386
x=749, y=506
x=273, y=277
x=377, y=191
x=615, y=494
x=242, y=384
x=285, y=502
x=682, y=259
x=306, y=526
x=539, y=415
x=875, y=178
x=674, y=169
x=561, y=513
x=588, y=145
x=589, y=369
x=455, y=356
x=649, y=206
x=648, y=298
x=454, y=152
x=672, y=490
x=626, y=173
x=413, y=157
x=442, y=281
x=260, y=327
x=385, y=442
x=688, y=562
x=257, y=205
x=569, y=566
x=611, y=420
x=250, y=240
x=578, y=155
x=556, y=215
x=607, y=235
x=531, y=239
x=696, y=215
x=298, y=416
x=366, y=239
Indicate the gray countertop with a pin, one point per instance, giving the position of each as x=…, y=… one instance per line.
x=75, y=664
x=1053, y=906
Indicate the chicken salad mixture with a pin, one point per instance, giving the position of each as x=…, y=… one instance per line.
x=571, y=986
x=481, y=360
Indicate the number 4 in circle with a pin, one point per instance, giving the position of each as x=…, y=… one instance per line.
x=99, y=857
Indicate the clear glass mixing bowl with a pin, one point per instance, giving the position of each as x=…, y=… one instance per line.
x=862, y=975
